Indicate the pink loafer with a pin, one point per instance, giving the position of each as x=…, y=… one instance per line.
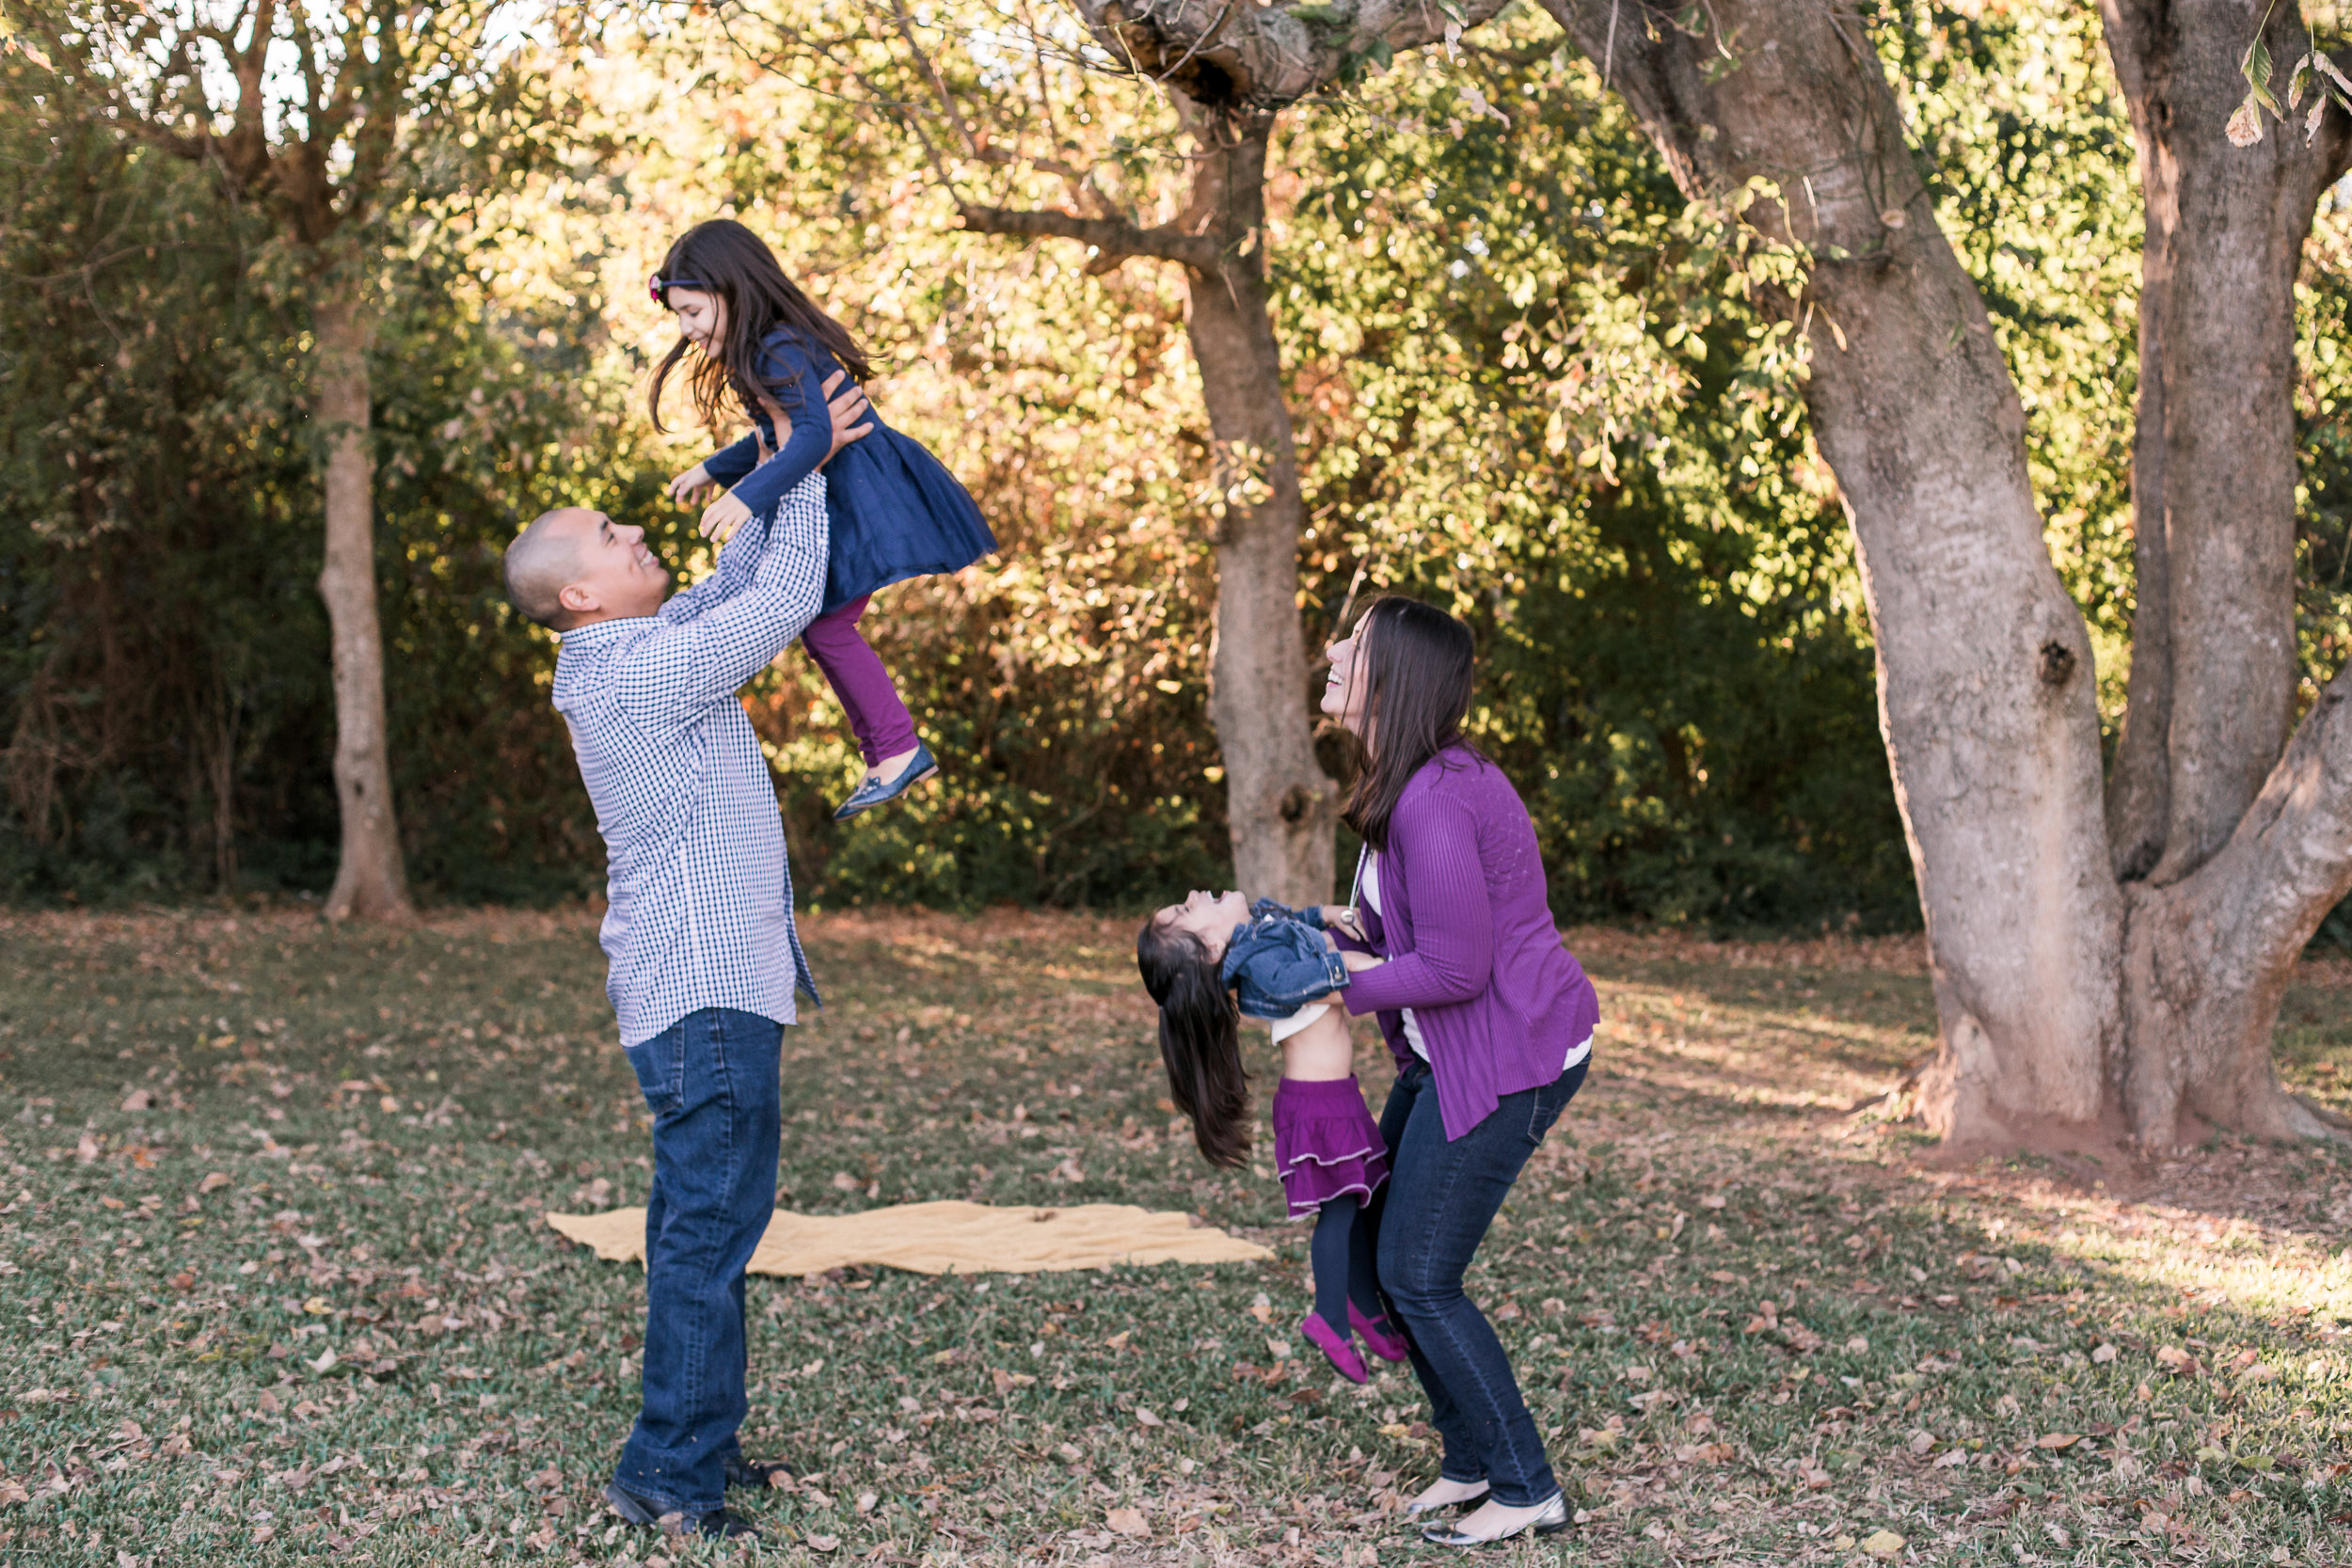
x=1383, y=1340
x=1335, y=1347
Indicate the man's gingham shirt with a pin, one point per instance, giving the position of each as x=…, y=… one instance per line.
x=701, y=896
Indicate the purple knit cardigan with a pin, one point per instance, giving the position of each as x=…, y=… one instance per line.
x=1469, y=942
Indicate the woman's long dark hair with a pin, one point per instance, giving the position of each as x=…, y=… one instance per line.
x=1199, y=1039
x=1417, y=665
x=724, y=257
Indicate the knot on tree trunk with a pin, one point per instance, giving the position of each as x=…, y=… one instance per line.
x=1297, y=802
x=2057, y=663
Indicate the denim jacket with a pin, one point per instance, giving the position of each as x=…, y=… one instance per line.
x=1279, y=962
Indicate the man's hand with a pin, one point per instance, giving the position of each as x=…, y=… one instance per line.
x=691, y=486
x=722, y=518
x=846, y=405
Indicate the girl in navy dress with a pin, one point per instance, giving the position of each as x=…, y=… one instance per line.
x=1207, y=962
x=896, y=512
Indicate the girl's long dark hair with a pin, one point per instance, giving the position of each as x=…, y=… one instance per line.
x=1199, y=1039
x=1417, y=664
x=724, y=257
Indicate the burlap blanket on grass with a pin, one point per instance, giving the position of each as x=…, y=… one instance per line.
x=948, y=1238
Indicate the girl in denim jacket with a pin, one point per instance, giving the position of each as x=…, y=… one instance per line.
x=1207, y=962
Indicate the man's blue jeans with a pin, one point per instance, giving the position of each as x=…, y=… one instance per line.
x=1433, y=1211
x=710, y=1080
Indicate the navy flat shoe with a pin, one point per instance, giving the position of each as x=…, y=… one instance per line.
x=758, y=1474
x=880, y=792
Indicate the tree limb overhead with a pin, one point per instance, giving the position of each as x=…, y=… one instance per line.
x=1233, y=54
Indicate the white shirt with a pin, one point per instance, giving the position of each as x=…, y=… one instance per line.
x=1368, y=884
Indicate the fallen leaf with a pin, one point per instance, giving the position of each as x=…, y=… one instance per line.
x=824, y=1542
x=1128, y=1521
x=2057, y=1440
x=1883, y=1544
x=139, y=1099
x=212, y=1182
x=1145, y=1418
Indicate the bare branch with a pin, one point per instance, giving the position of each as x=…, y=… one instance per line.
x=938, y=89
x=1114, y=239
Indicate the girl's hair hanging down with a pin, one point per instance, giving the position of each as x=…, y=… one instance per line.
x=724, y=257
x=1418, y=667
x=1199, y=1039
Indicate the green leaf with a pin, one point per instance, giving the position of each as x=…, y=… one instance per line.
x=2256, y=69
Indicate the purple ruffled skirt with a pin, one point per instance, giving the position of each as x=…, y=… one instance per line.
x=1326, y=1143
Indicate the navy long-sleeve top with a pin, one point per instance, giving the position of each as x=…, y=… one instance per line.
x=895, y=510
x=793, y=371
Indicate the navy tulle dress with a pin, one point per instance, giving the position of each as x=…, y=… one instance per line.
x=895, y=510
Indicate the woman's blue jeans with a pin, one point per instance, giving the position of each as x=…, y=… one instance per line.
x=710, y=1080
x=1439, y=1199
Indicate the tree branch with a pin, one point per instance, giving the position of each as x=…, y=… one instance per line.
x=1115, y=239
x=2290, y=860
x=1224, y=56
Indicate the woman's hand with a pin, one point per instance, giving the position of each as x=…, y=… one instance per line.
x=691, y=486
x=722, y=516
x=1355, y=961
x=1342, y=917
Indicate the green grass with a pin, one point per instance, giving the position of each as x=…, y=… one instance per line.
x=347, y=1139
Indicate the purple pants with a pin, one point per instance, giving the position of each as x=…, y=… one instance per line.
x=878, y=717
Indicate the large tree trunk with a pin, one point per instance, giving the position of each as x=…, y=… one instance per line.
x=2213, y=932
x=371, y=883
x=1280, y=805
x=2214, y=665
x=1985, y=680
x=2061, y=998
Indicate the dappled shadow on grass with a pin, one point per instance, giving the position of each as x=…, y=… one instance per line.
x=387, y=1113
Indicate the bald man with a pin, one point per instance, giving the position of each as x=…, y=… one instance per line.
x=703, y=954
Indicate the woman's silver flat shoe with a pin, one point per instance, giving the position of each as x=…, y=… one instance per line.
x=1414, y=1510
x=1551, y=1521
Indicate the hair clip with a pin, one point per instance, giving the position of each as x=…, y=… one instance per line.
x=657, y=286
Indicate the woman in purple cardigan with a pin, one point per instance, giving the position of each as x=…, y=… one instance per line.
x=1490, y=1021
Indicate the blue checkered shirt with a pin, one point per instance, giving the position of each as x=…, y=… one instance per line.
x=701, y=896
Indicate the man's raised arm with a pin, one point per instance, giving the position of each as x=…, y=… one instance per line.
x=680, y=670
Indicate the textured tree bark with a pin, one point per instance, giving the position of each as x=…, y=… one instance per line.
x=2106, y=962
x=372, y=881
x=2235, y=881
x=1281, y=806
x=2214, y=658
x=1985, y=681
x=2208, y=957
